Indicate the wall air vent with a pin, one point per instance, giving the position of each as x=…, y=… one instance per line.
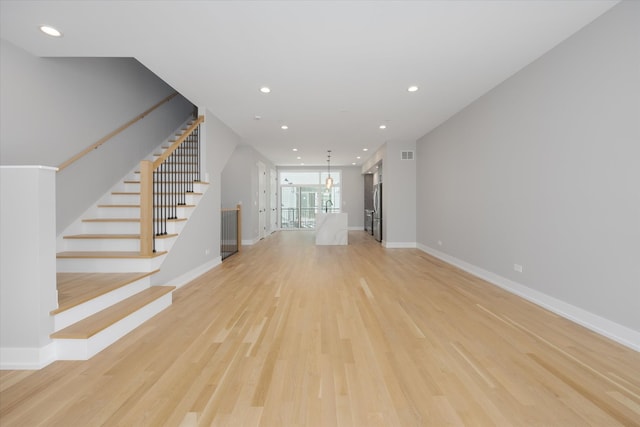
x=406, y=155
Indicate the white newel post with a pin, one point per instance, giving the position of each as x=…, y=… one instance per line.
x=27, y=266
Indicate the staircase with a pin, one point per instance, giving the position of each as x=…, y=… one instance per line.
x=103, y=273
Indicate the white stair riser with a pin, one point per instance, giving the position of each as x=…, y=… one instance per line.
x=118, y=212
x=130, y=187
x=135, y=187
x=111, y=227
x=108, y=265
x=134, y=199
x=197, y=186
x=173, y=227
x=127, y=245
x=68, y=349
x=86, y=309
x=121, y=212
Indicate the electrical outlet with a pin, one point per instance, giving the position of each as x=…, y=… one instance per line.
x=517, y=267
x=439, y=242
x=207, y=251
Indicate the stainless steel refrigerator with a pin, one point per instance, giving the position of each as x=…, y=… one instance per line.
x=377, y=212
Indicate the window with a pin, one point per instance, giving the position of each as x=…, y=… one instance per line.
x=303, y=194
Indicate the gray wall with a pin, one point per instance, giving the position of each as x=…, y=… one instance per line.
x=352, y=187
x=398, y=179
x=240, y=186
x=52, y=108
x=398, y=196
x=544, y=171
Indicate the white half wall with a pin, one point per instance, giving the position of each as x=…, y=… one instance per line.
x=27, y=266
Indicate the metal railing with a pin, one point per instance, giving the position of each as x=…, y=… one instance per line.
x=231, y=231
x=165, y=184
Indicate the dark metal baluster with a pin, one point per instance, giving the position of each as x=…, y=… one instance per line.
x=196, y=153
x=172, y=186
x=154, y=208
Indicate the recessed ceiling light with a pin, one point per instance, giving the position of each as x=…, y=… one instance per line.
x=412, y=88
x=265, y=89
x=353, y=163
x=365, y=149
x=298, y=157
x=50, y=31
x=295, y=149
x=284, y=127
x=301, y=164
x=383, y=126
x=257, y=117
x=358, y=157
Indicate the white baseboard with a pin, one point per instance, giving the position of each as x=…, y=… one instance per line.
x=250, y=242
x=187, y=277
x=27, y=358
x=398, y=245
x=619, y=333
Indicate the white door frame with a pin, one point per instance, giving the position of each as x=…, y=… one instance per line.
x=273, y=192
x=262, y=205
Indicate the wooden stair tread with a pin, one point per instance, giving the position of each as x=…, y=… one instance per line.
x=180, y=181
x=125, y=219
x=114, y=236
x=90, y=326
x=107, y=254
x=127, y=193
x=137, y=206
x=77, y=288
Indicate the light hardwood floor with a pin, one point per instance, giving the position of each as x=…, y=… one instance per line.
x=287, y=333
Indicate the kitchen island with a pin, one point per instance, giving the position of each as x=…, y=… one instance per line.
x=331, y=229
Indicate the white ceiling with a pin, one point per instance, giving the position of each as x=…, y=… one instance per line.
x=337, y=69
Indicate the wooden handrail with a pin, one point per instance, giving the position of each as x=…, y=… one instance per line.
x=177, y=143
x=110, y=135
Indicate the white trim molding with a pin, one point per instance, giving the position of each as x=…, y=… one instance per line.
x=399, y=245
x=187, y=277
x=619, y=333
x=51, y=168
x=249, y=242
x=27, y=358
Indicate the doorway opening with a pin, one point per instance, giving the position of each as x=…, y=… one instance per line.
x=303, y=195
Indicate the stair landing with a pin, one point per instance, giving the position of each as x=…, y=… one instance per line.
x=100, y=321
x=78, y=288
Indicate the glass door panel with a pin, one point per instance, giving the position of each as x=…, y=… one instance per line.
x=303, y=195
x=289, y=215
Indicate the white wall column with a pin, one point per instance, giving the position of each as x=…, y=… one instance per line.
x=27, y=266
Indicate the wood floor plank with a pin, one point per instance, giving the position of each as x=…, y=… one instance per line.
x=288, y=333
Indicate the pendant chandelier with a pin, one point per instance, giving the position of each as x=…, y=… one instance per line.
x=329, y=182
